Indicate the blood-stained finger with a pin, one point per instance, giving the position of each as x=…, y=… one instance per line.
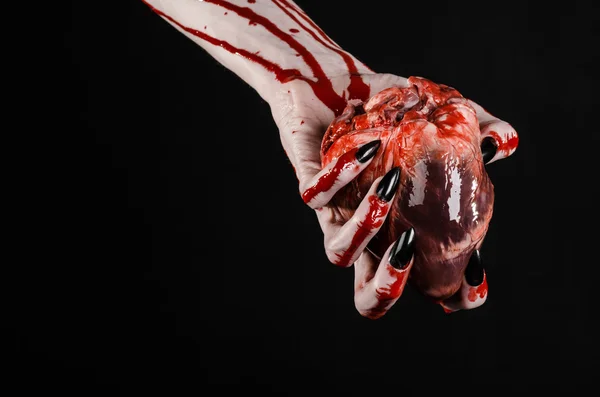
x=474, y=289
x=324, y=185
x=497, y=132
x=488, y=149
x=379, y=284
x=345, y=242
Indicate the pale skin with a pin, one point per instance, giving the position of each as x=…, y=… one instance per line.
x=302, y=117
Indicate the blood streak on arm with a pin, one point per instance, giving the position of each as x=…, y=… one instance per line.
x=308, y=20
x=319, y=83
x=507, y=145
x=357, y=88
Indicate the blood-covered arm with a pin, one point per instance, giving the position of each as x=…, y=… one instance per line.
x=267, y=43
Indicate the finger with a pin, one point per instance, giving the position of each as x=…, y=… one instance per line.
x=497, y=132
x=379, y=284
x=324, y=185
x=474, y=289
x=345, y=242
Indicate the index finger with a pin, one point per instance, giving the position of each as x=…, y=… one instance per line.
x=337, y=174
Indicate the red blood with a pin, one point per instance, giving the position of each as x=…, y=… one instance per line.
x=326, y=181
x=307, y=19
x=294, y=30
x=357, y=88
x=393, y=290
x=506, y=146
x=281, y=74
x=378, y=209
x=322, y=87
x=361, y=122
x=512, y=143
x=479, y=291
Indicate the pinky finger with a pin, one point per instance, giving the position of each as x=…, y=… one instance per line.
x=474, y=289
x=499, y=139
x=379, y=285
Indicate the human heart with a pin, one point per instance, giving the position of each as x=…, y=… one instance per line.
x=432, y=133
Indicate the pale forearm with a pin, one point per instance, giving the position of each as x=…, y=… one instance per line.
x=267, y=43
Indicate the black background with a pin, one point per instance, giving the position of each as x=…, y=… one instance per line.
x=164, y=248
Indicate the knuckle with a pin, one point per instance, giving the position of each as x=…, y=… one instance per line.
x=336, y=254
x=369, y=313
x=332, y=255
x=311, y=202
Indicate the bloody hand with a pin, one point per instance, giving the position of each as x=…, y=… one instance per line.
x=309, y=80
x=429, y=144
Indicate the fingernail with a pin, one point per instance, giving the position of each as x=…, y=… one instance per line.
x=388, y=184
x=402, y=252
x=367, y=151
x=474, y=271
x=488, y=149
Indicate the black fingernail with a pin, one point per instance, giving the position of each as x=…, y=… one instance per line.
x=367, y=151
x=474, y=271
x=488, y=149
x=388, y=184
x=402, y=252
